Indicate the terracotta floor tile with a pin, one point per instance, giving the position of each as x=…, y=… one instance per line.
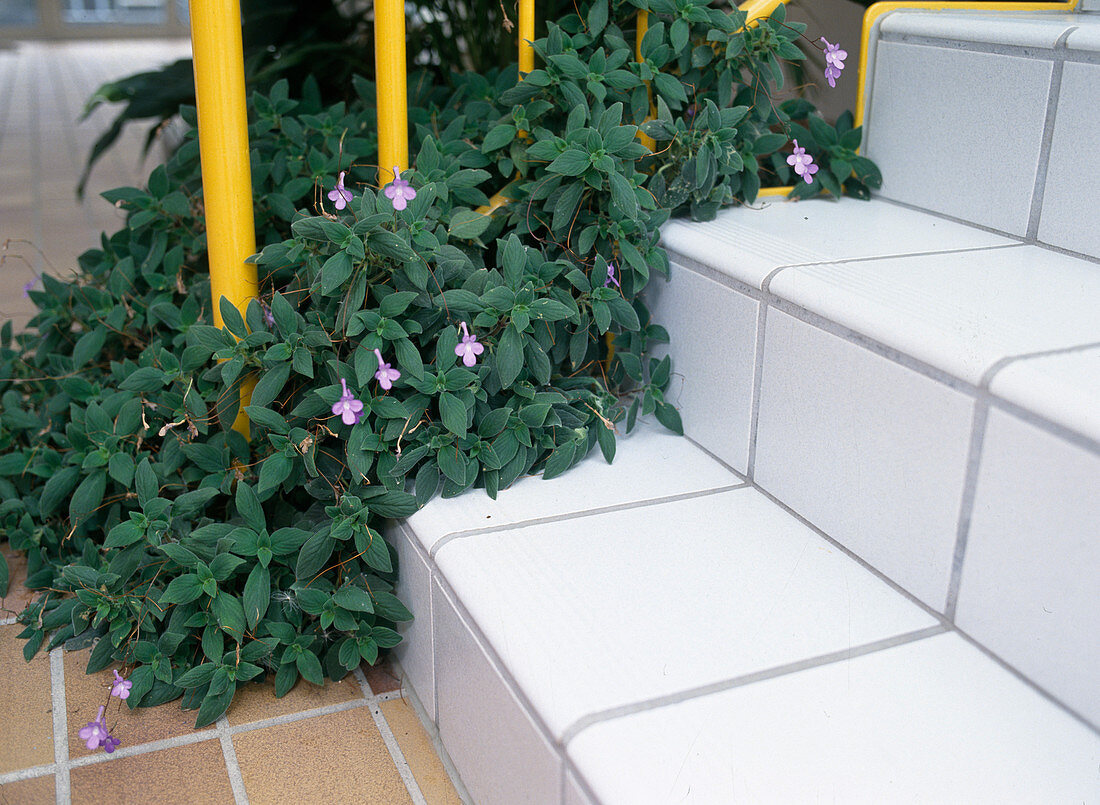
x=337, y=758
x=421, y=756
x=84, y=694
x=382, y=677
x=257, y=701
x=26, y=714
x=18, y=596
x=35, y=791
x=194, y=774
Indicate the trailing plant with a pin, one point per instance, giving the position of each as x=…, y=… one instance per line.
x=405, y=343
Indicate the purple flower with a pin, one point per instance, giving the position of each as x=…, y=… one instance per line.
x=611, y=277
x=469, y=349
x=121, y=687
x=340, y=195
x=834, y=61
x=29, y=287
x=803, y=163
x=348, y=408
x=96, y=734
x=385, y=374
x=400, y=193
x=269, y=317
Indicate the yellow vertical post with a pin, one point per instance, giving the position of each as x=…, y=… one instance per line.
x=526, y=36
x=223, y=148
x=389, y=70
x=643, y=26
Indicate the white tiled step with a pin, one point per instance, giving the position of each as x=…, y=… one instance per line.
x=933, y=720
x=557, y=636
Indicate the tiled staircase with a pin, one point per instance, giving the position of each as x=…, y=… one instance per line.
x=873, y=573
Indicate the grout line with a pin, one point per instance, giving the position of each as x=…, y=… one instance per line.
x=565, y=517
x=8, y=621
x=388, y=696
x=1042, y=168
x=28, y=773
x=396, y=755
x=849, y=653
x=987, y=377
x=966, y=505
x=236, y=781
x=757, y=380
x=408, y=693
x=62, y=786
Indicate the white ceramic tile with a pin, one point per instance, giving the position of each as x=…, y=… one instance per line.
x=1068, y=217
x=500, y=754
x=749, y=243
x=931, y=721
x=1031, y=575
x=712, y=332
x=623, y=607
x=1087, y=35
x=649, y=463
x=872, y=453
x=574, y=794
x=414, y=580
x=958, y=312
x=1061, y=388
x=969, y=147
x=1022, y=29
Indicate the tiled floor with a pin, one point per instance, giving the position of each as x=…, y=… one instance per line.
x=356, y=741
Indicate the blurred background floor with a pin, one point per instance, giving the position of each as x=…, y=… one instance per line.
x=43, y=88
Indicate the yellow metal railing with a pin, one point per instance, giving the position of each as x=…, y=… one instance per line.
x=223, y=148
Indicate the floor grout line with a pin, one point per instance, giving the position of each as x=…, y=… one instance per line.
x=236, y=781
x=60, y=725
x=394, y=748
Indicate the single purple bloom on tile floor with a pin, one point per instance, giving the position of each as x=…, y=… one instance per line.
x=469, y=349
x=803, y=163
x=611, y=277
x=340, y=195
x=834, y=61
x=96, y=732
x=386, y=374
x=399, y=192
x=348, y=408
x=121, y=687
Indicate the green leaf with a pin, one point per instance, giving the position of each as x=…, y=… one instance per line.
x=335, y=272
x=310, y=667
x=509, y=356
x=468, y=224
x=622, y=195
x=389, y=607
x=197, y=676
x=214, y=706
x=87, y=497
x=353, y=598
x=57, y=488
x=145, y=482
x=571, y=162
x=257, y=595
x=248, y=507
x=269, y=386
x=230, y=614
x=315, y=552
x=453, y=413
x=182, y=590
x=498, y=137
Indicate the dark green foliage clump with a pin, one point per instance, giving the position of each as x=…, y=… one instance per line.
x=201, y=560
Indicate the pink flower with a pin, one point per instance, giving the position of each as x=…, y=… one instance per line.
x=399, y=192
x=386, y=374
x=469, y=349
x=121, y=687
x=340, y=195
x=803, y=163
x=348, y=408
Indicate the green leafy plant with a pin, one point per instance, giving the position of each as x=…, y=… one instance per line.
x=399, y=350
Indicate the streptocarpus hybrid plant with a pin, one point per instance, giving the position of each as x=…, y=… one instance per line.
x=404, y=343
